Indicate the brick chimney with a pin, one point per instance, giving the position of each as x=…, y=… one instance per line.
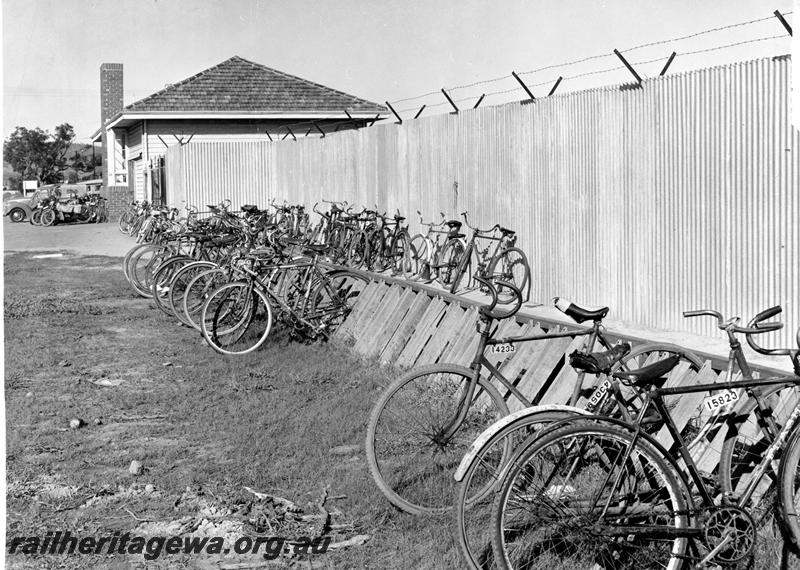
x=110, y=91
x=110, y=104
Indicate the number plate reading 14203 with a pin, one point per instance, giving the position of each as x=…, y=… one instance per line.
x=720, y=399
x=504, y=348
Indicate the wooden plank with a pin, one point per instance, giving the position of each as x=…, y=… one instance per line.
x=367, y=313
x=530, y=381
x=555, y=352
x=446, y=331
x=427, y=324
x=466, y=328
x=383, y=310
x=389, y=326
x=406, y=328
x=347, y=328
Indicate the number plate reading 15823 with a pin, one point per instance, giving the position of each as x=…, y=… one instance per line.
x=720, y=399
x=504, y=348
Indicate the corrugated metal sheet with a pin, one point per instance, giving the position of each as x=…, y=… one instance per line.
x=681, y=194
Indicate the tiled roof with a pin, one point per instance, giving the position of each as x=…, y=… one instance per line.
x=241, y=85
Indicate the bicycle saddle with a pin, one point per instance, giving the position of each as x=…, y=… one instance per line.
x=649, y=375
x=249, y=209
x=399, y=218
x=453, y=224
x=579, y=314
x=506, y=231
x=315, y=248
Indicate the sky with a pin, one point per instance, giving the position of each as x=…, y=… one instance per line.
x=380, y=50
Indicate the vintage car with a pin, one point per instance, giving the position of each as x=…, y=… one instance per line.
x=19, y=209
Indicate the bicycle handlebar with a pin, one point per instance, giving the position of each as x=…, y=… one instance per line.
x=488, y=310
x=478, y=230
x=755, y=326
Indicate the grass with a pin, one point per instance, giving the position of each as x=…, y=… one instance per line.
x=194, y=419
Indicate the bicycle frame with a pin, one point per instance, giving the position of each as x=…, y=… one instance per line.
x=595, y=333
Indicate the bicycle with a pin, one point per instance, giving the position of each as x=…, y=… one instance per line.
x=601, y=492
x=237, y=317
x=506, y=262
x=438, y=410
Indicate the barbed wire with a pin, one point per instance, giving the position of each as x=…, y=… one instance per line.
x=594, y=58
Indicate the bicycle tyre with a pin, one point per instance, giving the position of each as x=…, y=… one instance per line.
x=463, y=272
x=745, y=443
x=553, y=509
x=436, y=387
x=197, y=291
x=789, y=496
x=511, y=266
x=142, y=263
x=36, y=217
x=473, y=510
x=180, y=284
x=419, y=253
x=48, y=217
x=400, y=254
x=236, y=318
x=162, y=281
x=448, y=261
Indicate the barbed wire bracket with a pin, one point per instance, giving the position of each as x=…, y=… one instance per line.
x=289, y=133
x=783, y=21
x=316, y=126
x=420, y=111
x=666, y=65
x=450, y=101
x=269, y=137
x=525, y=87
x=373, y=121
x=555, y=86
x=479, y=101
x=628, y=66
x=349, y=116
x=399, y=119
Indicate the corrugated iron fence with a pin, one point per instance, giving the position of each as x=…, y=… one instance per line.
x=680, y=194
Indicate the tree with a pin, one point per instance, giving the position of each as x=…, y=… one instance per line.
x=35, y=153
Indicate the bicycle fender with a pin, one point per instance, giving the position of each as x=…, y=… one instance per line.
x=488, y=433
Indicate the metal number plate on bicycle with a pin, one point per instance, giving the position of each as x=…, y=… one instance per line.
x=503, y=348
x=599, y=392
x=720, y=399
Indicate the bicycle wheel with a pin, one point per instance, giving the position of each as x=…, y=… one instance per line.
x=332, y=299
x=419, y=256
x=36, y=218
x=790, y=488
x=180, y=284
x=48, y=217
x=375, y=255
x=473, y=506
x=126, y=220
x=745, y=441
x=161, y=284
x=462, y=276
x=142, y=264
x=197, y=291
x=511, y=266
x=448, y=261
x=400, y=256
x=408, y=458
x=585, y=496
x=357, y=250
x=236, y=318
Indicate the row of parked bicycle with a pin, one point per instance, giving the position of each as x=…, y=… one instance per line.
x=619, y=476
x=230, y=275
x=52, y=210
